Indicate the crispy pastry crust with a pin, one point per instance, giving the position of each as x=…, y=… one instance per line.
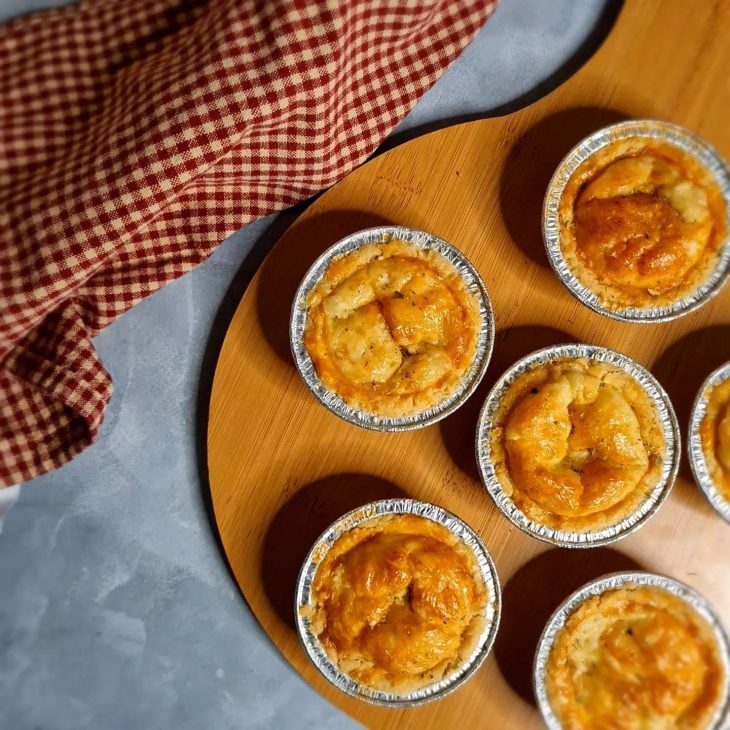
x=633, y=658
x=399, y=603
x=641, y=224
x=392, y=328
x=577, y=444
x=715, y=436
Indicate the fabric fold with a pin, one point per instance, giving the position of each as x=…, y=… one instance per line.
x=136, y=136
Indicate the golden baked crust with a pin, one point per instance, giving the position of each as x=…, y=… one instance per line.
x=635, y=658
x=398, y=603
x=641, y=223
x=715, y=436
x=577, y=444
x=392, y=328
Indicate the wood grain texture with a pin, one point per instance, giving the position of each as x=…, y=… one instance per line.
x=282, y=467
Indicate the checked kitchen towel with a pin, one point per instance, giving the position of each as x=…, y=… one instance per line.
x=135, y=135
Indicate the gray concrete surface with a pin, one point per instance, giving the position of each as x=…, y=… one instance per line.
x=116, y=608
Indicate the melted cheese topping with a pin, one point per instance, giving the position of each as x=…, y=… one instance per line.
x=636, y=658
x=392, y=328
x=715, y=436
x=399, y=603
x=577, y=444
x=642, y=223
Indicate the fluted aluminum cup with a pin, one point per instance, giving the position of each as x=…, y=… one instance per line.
x=471, y=379
x=611, y=582
x=696, y=454
x=361, y=516
x=658, y=131
x=654, y=500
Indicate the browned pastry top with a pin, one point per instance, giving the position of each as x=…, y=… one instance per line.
x=641, y=223
x=577, y=444
x=392, y=328
x=398, y=603
x=715, y=436
x=635, y=658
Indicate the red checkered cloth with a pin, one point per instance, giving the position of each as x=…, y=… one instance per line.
x=136, y=135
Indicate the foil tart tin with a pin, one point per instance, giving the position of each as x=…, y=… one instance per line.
x=485, y=340
x=367, y=513
x=697, y=459
x=609, y=582
x=661, y=131
x=566, y=538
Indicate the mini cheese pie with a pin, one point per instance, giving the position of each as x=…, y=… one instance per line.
x=635, y=658
x=577, y=444
x=715, y=436
x=641, y=224
x=399, y=603
x=392, y=328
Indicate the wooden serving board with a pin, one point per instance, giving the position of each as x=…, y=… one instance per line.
x=282, y=467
